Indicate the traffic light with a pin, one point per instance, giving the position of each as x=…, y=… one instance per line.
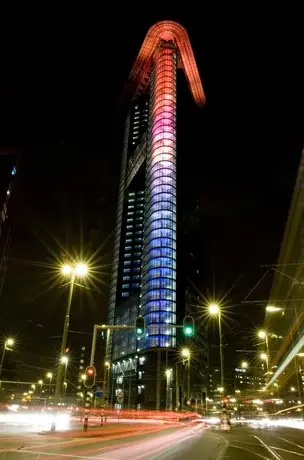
x=140, y=326
x=188, y=326
x=90, y=374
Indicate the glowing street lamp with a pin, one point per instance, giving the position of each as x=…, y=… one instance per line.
x=215, y=310
x=64, y=360
x=8, y=344
x=264, y=356
x=244, y=365
x=72, y=271
x=273, y=308
x=262, y=334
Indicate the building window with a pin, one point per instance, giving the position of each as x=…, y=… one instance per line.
x=127, y=270
x=125, y=286
x=135, y=285
x=124, y=294
x=126, y=278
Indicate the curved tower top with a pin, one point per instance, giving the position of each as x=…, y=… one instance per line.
x=167, y=31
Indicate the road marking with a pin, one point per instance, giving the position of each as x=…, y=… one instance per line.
x=54, y=455
x=288, y=451
x=276, y=456
x=223, y=449
x=293, y=443
x=250, y=451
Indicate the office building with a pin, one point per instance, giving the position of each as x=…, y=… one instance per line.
x=8, y=180
x=147, y=273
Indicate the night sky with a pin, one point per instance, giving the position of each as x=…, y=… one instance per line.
x=59, y=106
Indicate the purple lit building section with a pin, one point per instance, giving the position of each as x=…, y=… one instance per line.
x=158, y=302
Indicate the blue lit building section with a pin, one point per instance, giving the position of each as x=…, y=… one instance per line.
x=158, y=302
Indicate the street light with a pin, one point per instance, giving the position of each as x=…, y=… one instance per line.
x=264, y=335
x=264, y=356
x=64, y=360
x=8, y=344
x=273, y=309
x=49, y=376
x=73, y=271
x=186, y=353
x=214, y=310
x=168, y=392
x=244, y=365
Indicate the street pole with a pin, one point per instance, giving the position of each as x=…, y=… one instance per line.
x=60, y=371
x=221, y=350
x=158, y=379
x=177, y=402
x=188, y=377
x=2, y=359
x=93, y=348
x=267, y=351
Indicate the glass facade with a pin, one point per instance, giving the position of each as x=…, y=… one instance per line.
x=158, y=298
x=8, y=177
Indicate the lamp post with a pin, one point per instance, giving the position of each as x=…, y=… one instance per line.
x=78, y=270
x=8, y=344
x=244, y=365
x=264, y=336
x=168, y=388
x=214, y=310
x=40, y=383
x=49, y=376
x=187, y=354
x=64, y=360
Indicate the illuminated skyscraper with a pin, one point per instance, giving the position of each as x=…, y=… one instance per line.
x=144, y=273
x=8, y=176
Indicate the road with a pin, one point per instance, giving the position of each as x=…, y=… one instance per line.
x=179, y=442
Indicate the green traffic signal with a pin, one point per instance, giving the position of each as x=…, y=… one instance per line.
x=188, y=330
x=188, y=326
x=140, y=326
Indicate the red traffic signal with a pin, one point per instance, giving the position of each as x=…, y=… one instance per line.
x=90, y=371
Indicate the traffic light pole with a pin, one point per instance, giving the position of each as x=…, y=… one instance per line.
x=109, y=328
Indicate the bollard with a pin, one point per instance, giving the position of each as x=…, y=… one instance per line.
x=85, y=423
x=101, y=420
